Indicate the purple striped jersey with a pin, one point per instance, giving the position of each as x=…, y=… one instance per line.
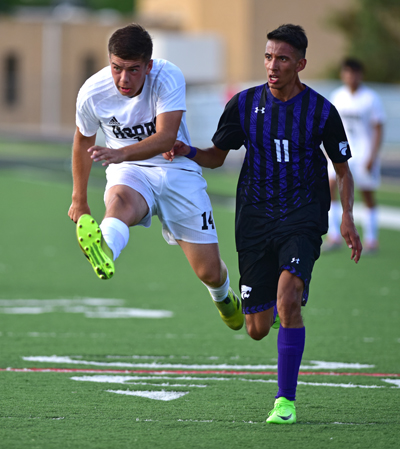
x=283, y=185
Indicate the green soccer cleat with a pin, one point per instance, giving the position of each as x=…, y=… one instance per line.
x=284, y=412
x=230, y=310
x=277, y=323
x=94, y=247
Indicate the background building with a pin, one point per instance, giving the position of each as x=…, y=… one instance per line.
x=243, y=24
x=45, y=56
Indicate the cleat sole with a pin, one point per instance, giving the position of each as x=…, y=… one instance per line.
x=91, y=246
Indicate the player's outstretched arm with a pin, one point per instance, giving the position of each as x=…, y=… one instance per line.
x=81, y=166
x=348, y=230
x=167, y=127
x=211, y=157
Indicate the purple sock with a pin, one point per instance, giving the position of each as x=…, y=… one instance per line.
x=290, y=352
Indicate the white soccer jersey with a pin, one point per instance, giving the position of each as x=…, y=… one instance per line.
x=360, y=112
x=126, y=121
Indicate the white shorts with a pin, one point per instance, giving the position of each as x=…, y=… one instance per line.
x=363, y=179
x=178, y=197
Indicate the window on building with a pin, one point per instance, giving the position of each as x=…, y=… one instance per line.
x=89, y=67
x=11, y=75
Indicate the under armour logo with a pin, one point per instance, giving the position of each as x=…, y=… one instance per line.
x=262, y=110
x=294, y=260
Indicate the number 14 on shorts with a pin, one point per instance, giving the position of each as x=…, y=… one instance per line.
x=207, y=222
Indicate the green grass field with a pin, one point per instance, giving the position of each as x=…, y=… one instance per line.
x=103, y=371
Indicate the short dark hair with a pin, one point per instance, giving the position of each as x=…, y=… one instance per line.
x=293, y=35
x=353, y=64
x=132, y=42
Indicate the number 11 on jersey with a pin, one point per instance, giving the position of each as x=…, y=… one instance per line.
x=282, y=145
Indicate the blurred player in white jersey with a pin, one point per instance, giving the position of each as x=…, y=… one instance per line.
x=363, y=117
x=139, y=104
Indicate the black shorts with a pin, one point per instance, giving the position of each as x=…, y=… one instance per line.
x=261, y=266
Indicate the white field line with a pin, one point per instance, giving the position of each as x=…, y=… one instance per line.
x=393, y=381
x=319, y=384
x=126, y=380
x=315, y=365
x=156, y=395
x=90, y=307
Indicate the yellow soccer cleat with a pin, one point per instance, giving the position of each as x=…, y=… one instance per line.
x=94, y=247
x=230, y=310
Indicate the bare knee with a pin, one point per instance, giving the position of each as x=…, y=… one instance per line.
x=205, y=262
x=211, y=271
x=210, y=276
x=290, y=293
x=116, y=197
x=125, y=204
x=256, y=333
x=369, y=198
x=259, y=324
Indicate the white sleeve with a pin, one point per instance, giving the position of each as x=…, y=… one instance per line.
x=172, y=91
x=86, y=120
x=333, y=98
x=377, y=113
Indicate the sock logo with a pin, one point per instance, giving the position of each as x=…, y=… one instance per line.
x=245, y=291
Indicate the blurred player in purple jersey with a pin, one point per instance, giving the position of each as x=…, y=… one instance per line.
x=282, y=198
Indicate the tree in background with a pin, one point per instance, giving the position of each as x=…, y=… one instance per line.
x=122, y=6
x=372, y=30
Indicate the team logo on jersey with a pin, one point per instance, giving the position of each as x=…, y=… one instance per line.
x=343, y=147
x=114, y=122
x=245, y=291
x=257, y=110
x=138, y=132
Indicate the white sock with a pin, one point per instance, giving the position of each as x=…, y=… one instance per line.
x=370, y=225
x=116, y=234
x=218, y=294
x=334, y=221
